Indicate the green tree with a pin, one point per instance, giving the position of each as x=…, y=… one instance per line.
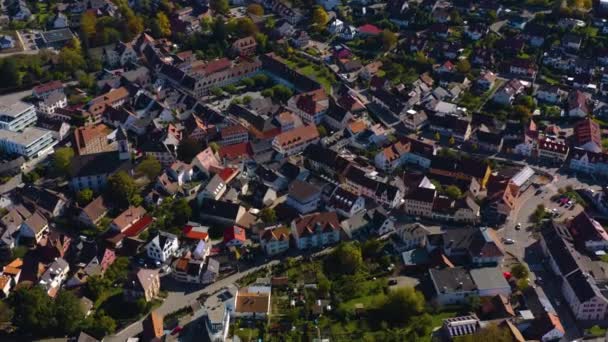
x=255, y=9
x=246, y=27
x=97, y=286
x=437, y=136
x=86, y=80
x=33, y=311
x=6, y=313
x=214, y=146
x=401, y=305
x=84, y=197
x=121, y=189
x=319, y=17
x=463, y=66
x=88, y=26
x=520, y=271
x=62, y=159
x=372, y=248
x=118, y=271
x=187, y=149
x=345, y=259
x=522, y=112
x=453, y=192
x=70, y=60
x=281, y=93
x=10, y=73
x=268, y=215
x=164, y=25
x=219, y=6
x=322, y=131
x=452, y=141
x=149, y=167
x=181, y=212
x=522, y=284
x=389, y=40
x=99, y=325
x=68, y=312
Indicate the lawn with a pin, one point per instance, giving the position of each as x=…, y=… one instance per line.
x=310, y=71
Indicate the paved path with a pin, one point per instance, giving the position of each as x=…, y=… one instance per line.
x=179, y=299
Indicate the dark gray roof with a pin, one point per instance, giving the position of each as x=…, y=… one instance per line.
x=98, y=164
x=451, y=280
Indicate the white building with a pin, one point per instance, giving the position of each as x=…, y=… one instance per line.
x=162, y=247
x=52, y=102
x=316, y=230
x=17, y=116
x=32, y=142
x=54, y=276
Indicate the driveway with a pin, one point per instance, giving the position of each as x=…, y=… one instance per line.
x=181, y=298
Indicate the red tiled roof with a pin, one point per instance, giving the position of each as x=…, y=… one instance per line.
x=138, y=226
x=49, y=86
x=227, y=174
x=234, y=233
x=369, y=29
x=191, y=233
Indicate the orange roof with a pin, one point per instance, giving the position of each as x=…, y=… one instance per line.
x=305, y=133
x=195, y=234
x=4, y=279
x=357, y=126
x=556, y=322
x=227, y=174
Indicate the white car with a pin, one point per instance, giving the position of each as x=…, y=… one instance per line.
x=509, y=241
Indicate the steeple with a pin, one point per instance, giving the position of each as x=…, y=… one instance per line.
x=124, y=151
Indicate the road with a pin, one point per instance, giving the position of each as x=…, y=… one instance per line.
x=179, y=299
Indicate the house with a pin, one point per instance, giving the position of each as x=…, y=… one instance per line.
x=143, y=283
x=300, y=39
x=345, y=202
x=162, y=247
x=549, y=94
x=244, y=46
x=93, y=212
x=316, y=230
x=206, y=160
x=464, y=169
x=578, y=104
x=572, y=41
x=578, y=285
x=303, y=197
x=588, y=135
x=588, y=233
x=589, y=162
x=486, y=81
x=48, y=202
x=296, y=140
x=153, y=329
x=59, y=21
x=275, y=240
x=33, y=228
x=7, y=42
x=253, y=302
x=128, y=218
x=479, y=246
x=451, y=125
x=54, y=276
x=475, y=31
x=223, y=213
x=122, y=54
x=523, y=67
x=506, y=95
x=234, y=134
x=215, y=189
x=461, y=325
x=92, y=171
x=211, y=271
x=552, y=150
x=310, y=106
x=455, y=285
x=187, y=270
x=51, y=103
x=415, y=235
x=234, y=236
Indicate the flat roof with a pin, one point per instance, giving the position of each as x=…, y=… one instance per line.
x=14, y=109
x=25, y=138
x=57, y=35
x=489, y=278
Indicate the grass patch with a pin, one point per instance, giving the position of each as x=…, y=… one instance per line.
x=596, y=331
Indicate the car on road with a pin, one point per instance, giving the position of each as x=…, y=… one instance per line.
x=508, y=241
x=518, y=226
x=538, y=192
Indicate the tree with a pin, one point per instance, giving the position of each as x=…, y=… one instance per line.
x=522, y=112
x=389, y=40
x=268, y=215
x=522, y=284
x=219, y=6
x=453, y=192
x=88, y=26
x=121, y=189
x=6, y=313
x=86, y=80
x=214, y=145
x=70, y=60
x=97, y=286
x=10, y=73
x=319, y=17
x=437, y=136
x=452, y=141
x=163, y=24
x=84, y=197
x=345, y=259
x=187, y=149
x=100, y=325
x=401, y=305
x=150, y=167
x=526, y=101
x=322, y=131
x=68, y=312
x=520, y=271
x=181, y=212
x=255, y=9
x=463, y=66
x=33, y=311
x=372, y=248
x=62, y=159
x=118, y=271
x=281, y=93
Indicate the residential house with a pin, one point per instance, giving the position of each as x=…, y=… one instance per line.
x=128, y=218
x=253, y=302
x=234, y=134
x=143, y=283
x=588, y=233
x=275, y=240
x=455, y=285
x=223, y=213
x=345, y=202
x=244, y=46
x=234, y=236
x=162, y=247
x=303, y=196
x=552, y=150
x=93, y=212
x=310, y=106
x=316, y=230
x=295, y=140
x=54, y=276
x=578, y=104
x=33, y=228
x=595, y=163
x=506, y=95
x=187, y=270
x=549, y=94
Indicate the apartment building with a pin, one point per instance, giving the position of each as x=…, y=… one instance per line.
x=296, y=140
